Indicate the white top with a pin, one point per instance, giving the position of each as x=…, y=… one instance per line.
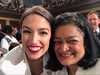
x=95, y=70
x=5, y=45
x=15, y=63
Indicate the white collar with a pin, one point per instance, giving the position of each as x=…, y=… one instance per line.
x=97, y=30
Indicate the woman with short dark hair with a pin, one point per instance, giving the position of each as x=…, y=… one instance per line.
x=8, y=39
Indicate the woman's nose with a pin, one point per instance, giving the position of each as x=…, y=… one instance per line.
x=34, y=38
x=65, y=47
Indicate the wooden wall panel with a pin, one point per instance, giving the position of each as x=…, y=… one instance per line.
x=3, y=23
x=15, y=24
x=48, y=1
x=9, y=13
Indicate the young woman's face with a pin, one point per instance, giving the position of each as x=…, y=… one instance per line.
x=36, y=34
x=68, y=45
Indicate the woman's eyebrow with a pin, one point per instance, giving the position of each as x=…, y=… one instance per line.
x=66, y=37
x=38, y=30
x=44, y=29
x=25, y=27
x=71, y=37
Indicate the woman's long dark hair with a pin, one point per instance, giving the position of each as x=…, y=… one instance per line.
x=92, y=50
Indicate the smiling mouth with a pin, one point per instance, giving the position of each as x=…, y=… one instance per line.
x=34, y=49
x=92, y=24
x=66, y=55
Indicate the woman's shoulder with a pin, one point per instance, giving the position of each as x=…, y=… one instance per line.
x=92, y=70
x=45, y=58
x=13, y=61
x=14, y=55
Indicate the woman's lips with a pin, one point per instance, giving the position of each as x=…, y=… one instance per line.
x=34, y=49
x=66, y=55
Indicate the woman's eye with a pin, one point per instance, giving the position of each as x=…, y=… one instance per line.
x=73, y=41
x=26, y=31
x=57, y=42
x=43, y=33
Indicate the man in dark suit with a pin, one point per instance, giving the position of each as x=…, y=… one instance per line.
x=16, y=3
x=94, y=20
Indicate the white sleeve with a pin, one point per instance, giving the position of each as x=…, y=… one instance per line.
x=4, y=44
x=2, y=72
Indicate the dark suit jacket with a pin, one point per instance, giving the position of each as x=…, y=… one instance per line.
x=2, y=34
x=18, y=35
x=16, y=3
x=98, y=36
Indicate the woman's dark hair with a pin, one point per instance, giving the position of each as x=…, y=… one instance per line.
x=42, y=12
x=91, y=42
x=12, y=45
x=8, y=29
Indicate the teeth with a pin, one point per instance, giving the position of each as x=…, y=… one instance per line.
x=34, y=49
x=65, y=54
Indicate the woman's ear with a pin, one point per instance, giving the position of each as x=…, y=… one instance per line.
x=99, y=21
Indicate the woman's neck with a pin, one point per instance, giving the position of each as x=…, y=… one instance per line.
x=72, y=69
x=36, y=66
x=10, y=36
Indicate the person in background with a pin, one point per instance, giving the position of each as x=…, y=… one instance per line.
x=8, y=39
x=76, y=47
x=30, y=57
x=17, y=34
x=94, y=20
x=15, y=29
x=14, y=44
x=2, y=34
x=16, y=3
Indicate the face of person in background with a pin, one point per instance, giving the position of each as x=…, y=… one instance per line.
x=94, y=21
x=68, y=44
x=13, y=31
x=36, y=34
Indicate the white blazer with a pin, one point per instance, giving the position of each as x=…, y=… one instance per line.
x=95, y=70
x=15, y=63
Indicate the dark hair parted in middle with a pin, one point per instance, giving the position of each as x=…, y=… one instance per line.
x=91, y=42
x=40, y=11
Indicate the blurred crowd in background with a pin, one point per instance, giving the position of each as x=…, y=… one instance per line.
x=18, y=7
